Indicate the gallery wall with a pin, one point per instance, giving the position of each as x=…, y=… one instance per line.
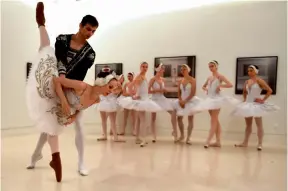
x=222, y=32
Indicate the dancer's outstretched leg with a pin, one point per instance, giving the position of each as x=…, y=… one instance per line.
x=52, y=140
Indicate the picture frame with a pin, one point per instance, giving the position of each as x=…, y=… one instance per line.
x=117, y=67
x=172, y=74
x=268, y=66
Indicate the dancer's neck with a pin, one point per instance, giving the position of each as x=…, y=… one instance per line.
x=78, y=38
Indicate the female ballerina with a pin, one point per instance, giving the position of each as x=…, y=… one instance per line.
x=48, y=106
x=108, y=108
x=214, y=102
x=187, y=102
x=157, y=88
x=141, y=103
x=128, y=91
x=253, y=106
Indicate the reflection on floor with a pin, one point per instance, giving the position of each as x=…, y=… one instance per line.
x=161, y=166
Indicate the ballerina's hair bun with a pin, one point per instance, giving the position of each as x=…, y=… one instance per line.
x=131, y=73
x=255, y=68
x=105, y=76
x=216, y=64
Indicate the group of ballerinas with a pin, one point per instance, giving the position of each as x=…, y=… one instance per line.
x=135, y=99
x=54, y=101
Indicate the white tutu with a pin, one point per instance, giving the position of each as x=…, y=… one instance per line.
x=108, y=103
x=189, y=108
x=126, y=102
x=145, y=104
x=41, y=99
x=216, y=102
x=164, y=103
x=254, y=109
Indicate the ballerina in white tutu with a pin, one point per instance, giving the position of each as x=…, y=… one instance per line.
x=128, y=91
x=108, y=107
x=254, y=106
x=215, y=101
x=187, y=102
x=141, y=103
x=157, y=89
x=49, y=106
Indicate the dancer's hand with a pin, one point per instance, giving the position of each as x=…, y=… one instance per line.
x=218, y=89
x=71, y=119
x=204, y=89
x=62, y=76
x=135, y=97
x=182, y=103
x=66, y=108
x=259, y=100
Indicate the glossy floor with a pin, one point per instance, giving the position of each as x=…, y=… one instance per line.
x=162, y=166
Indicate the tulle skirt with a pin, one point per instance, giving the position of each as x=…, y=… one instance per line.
x=42, y=104
x=216, y=102
x=144, y=104
x=108, y=105
x=254, y=109
x=164, y=103
x=190, y=107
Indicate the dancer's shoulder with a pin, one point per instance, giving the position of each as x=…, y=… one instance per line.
x=64, y=37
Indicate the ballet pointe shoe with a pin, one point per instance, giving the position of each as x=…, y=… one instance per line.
x=40, y=18
x=34, y=160
x=57, y=166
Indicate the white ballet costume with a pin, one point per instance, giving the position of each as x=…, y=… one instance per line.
x=43, y=104
x=214, y=99
x=250, y=108
x=190, y=106
x=160, y=99
x=108, y=103
x=144, y=103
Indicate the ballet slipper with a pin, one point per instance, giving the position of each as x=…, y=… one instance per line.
x=40, y=18
x=143, y=143
x=188, y=142
x=57, y=166
x=33, y=161
x=154, y=141
x=259, y=147
x=241, y=145
x=122, y=134
x=181, y=138
x=102, y=139
x=83, y=172
x=138, y=141
x=215, y=144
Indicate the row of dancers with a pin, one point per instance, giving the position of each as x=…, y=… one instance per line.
x=135, y=99
x=57, y=96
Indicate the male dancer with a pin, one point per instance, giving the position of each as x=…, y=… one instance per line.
x=75, y=56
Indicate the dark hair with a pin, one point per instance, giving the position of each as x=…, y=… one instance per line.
x=89, y=19
x=143, y=63
x=130, y=73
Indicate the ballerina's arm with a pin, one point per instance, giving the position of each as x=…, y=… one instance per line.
x=227, y=84
x=245, y=91
x=60, y=82
x=136, y=83
x=266, y=87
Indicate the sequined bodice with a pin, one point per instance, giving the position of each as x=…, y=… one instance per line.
x=254, y=91
x=73, y=99
x=157, y=86
x=185, y=90
x=212, y=87
x=142, y=90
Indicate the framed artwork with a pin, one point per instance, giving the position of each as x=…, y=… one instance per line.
x=117, y=67
x=28, y=68
x=267, y=71
x=172, y=74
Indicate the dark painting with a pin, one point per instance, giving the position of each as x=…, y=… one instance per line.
x=172, y=74
x=267, y=71
x=28, y=68
x=117, y=67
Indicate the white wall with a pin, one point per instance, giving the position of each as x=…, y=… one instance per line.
x=222, y=32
